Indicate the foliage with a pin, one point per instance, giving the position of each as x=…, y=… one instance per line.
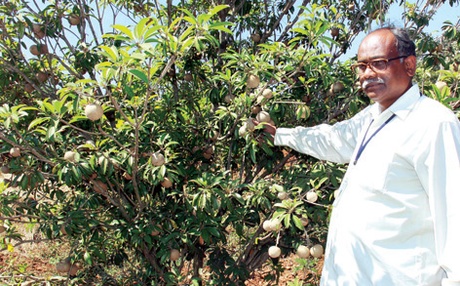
x=173, y=83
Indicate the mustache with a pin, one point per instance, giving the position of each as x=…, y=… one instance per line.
x=371, y=80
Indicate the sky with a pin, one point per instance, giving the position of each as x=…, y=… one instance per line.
x=395, y=14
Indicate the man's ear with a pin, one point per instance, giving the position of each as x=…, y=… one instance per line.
x=410, y=64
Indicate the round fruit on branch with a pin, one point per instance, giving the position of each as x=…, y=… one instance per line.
x=94, y=111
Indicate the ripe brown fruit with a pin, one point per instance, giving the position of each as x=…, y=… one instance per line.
x=267, y=93
x=276, y=224
x=74, y=269
x=283, y=195
x=274, y=251
x=208, y=152
x=157, y=159
x=36, y=28
x=229, y=98
x=256, y=109
x=5, y=170
x=317, y=250
x=63, y=266
x=155, y=232
x=94, y=111
x=174, y=254
x=303, y=251
x=55, y=80
x=15, y=152
x=255, y=37
x=42, y=76
x=28, y=88
x=69, y=156
x=250, y=124
x=100, y=187
x=166, y=183
x=74, y=20
x=263, y=116
x=312, y=196
x=38, y=32
x=40, y=35
x=304, y=220
x=44, y=49
x=272, y=225
x=337, y=87
x=188, y=77
x=242, y=131
x=267, y=225
x=34, y=50
x=260, y=99
x=335, y=32
x=253, y=81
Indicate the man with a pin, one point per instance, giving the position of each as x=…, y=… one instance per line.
x=396, y=219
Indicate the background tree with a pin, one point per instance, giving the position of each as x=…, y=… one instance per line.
x=126, y=127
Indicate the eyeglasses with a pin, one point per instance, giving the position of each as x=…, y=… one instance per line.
x=375, y=65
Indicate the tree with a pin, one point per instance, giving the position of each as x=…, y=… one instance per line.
x=132, y=123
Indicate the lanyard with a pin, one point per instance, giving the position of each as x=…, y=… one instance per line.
x=364, y=142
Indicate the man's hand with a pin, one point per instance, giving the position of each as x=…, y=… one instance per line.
x=268, y=129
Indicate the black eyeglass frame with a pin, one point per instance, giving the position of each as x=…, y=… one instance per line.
x=357, y=67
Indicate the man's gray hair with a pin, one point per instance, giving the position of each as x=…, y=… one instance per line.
x=404, y=43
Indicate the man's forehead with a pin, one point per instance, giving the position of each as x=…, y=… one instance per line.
x=377, y=45
x=367, y=58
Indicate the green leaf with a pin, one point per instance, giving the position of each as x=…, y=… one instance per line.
x=50, y=133
x=287, y=221
x=140, y=74
x=111, y=53
x=87, y=258
x=221, y=26
x=252, y=153
x=217, y=9
x=297, y=222
x=140, y=28
x=280, y=205
x=190, y=18
x=187, y=44
x=213, y=231
x=124, y=30
x=38, y=121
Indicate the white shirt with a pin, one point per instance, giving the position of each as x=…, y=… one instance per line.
x=396, y=219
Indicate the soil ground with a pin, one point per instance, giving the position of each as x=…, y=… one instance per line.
x=32, y=265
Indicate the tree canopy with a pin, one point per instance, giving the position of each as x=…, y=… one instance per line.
x=126, y=127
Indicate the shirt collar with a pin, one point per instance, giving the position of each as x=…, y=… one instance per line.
x=402, y=106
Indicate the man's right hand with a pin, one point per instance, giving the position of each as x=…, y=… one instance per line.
x=268, y=129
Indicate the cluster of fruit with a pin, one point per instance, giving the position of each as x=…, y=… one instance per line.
x=275, y=225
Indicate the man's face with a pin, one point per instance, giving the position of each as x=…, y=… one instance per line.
x=384, y=86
